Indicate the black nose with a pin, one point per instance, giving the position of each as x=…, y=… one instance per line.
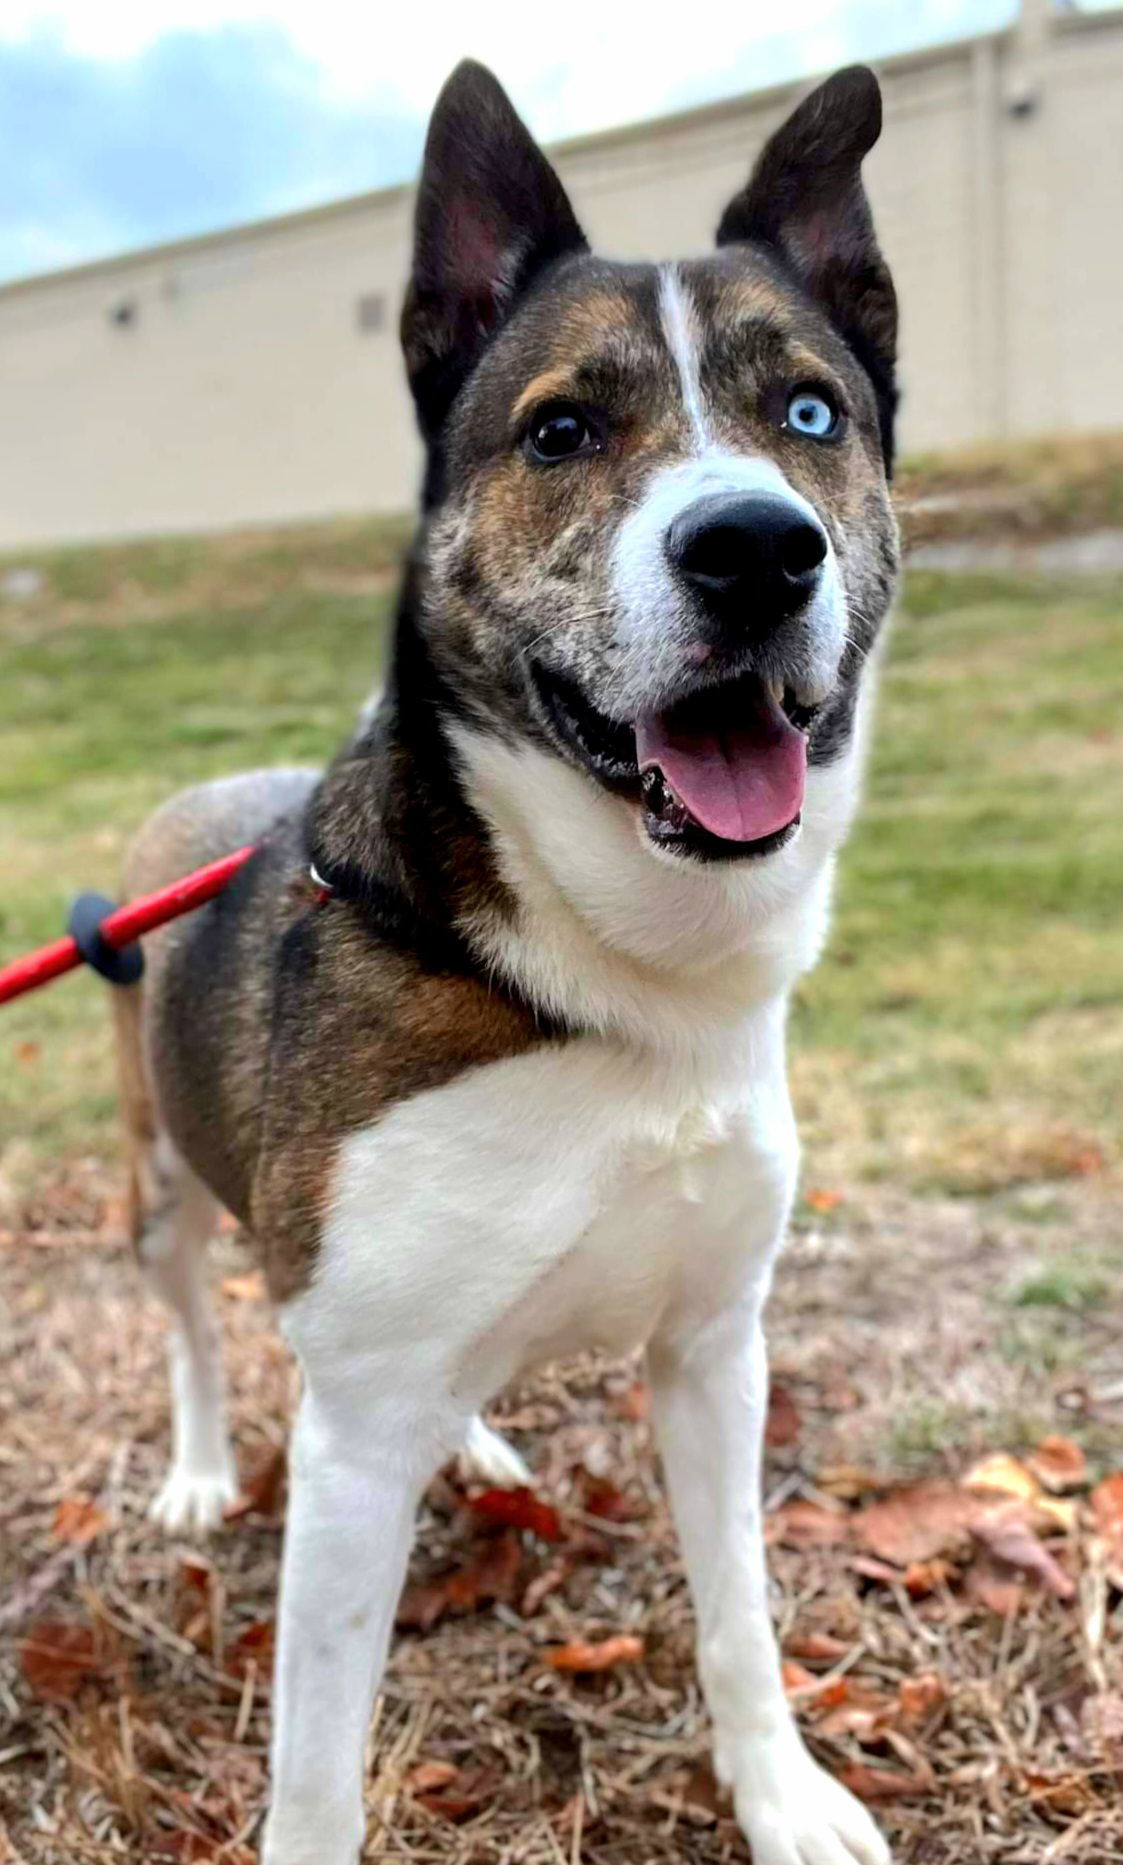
x=751, y=558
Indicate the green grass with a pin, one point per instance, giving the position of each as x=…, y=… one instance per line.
x=965, y=1030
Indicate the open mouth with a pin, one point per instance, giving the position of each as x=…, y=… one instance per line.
x=719, y=774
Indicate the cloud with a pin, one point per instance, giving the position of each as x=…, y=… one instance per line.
x=196, y=130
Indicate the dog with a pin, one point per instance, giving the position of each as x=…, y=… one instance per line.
x=485, y=1045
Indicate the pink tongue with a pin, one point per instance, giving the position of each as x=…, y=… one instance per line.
x=742, y=781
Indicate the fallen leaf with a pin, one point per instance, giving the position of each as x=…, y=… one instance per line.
x=875, y=1784
x=248, y=1288
x=261, y=1494
x=463, y=1794
x=854, y=1709
x=520, y=1509
x=492, y=1575
x=1107, y=1506
x=254, y=1645
x=925, y=1577
x=916, y=1523
x=797, y=1679
x=1005, y=1476
x=429, y=1776
x=27, y=1053
x=78, y=1520
x=1059, y=1464
x=993, y=1587
x=920, y=1697
x=881, y=1571
x=817, y=1647
x=196, y=1573
x=610, y=1504
x=599, y=1655
x=818, y=1200
x=58, y=1657
x=784, y=1423
x=1006, y=1534
x=807, y=1525
x=1070, y=1793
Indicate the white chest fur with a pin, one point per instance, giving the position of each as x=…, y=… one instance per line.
x=584, y=1194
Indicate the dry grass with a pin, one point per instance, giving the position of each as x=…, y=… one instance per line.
x=148, y=1742
x=1014, y=492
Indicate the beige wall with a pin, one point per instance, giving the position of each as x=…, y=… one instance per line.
x=244, y=391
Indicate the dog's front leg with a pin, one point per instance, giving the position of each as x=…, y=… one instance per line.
x=358, y=1465
x=710, y=1393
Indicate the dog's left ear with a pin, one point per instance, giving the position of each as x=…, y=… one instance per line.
x=491, y=215
x=806, y=201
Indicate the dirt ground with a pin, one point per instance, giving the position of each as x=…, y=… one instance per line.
x=977, y=1701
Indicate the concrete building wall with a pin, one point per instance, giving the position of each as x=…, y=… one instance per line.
x=253, y=376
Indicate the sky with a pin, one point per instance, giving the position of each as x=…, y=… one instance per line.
x=126, y=122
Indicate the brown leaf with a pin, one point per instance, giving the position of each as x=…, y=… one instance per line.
x=1000, y=1475
x=784, y=1421
x=1006, y=1534
x=817, y=1647
x=464, y=1794
x=1059, y=1464
x=876, y=1784
x=797, y=1679
x=993, y=1587
x=853, y=1709
x=27, y=1053
x=58, y=1657
x=262, y=1493
x=916, y=1523
x=807, y=1525
x=78, y=1520
x=429, y=1776
x=600, y=1655
x=492, y=1575
x=819, y=1200
x=1107, y=1507
x=610, y=1504
x=254, y=1645
x=520, y=1509
x=920, y=1697
x=925, y=1577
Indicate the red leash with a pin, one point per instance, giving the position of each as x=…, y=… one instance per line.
x=106, y=939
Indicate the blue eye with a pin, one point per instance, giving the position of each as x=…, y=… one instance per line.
x=811, y=414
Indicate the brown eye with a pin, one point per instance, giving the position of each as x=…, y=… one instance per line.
x=560, y=432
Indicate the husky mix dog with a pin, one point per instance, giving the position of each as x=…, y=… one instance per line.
x=485, y=1045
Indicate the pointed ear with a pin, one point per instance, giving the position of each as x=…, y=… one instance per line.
x=491, y=215
x=806, y=201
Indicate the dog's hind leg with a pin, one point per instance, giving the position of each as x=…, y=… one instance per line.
x=173, y=1216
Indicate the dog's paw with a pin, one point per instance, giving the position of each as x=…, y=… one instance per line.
x=792, y=1812
x=194, y=1501
x=488, y=1458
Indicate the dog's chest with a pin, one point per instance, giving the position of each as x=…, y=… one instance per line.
x=564, y=1198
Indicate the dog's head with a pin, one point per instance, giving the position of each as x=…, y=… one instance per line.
x=659, y=540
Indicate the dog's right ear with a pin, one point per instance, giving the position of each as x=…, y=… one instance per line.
x=491, y=215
